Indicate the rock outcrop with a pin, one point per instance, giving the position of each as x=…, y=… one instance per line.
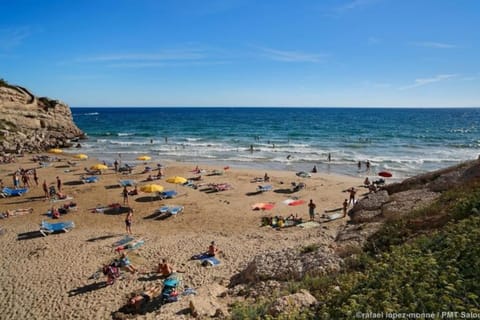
x=32, y=124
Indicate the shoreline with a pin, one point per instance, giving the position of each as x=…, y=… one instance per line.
x=65, y=262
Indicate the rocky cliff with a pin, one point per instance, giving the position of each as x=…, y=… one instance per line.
x=31, y=124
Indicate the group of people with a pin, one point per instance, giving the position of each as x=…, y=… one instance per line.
x=164, y=268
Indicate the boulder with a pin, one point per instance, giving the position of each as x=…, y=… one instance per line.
x=287, y=264
x=292, y=302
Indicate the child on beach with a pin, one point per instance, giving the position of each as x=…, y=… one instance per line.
x=128, y=220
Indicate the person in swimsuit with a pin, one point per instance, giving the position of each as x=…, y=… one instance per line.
x=143, y=298
x=128, y=221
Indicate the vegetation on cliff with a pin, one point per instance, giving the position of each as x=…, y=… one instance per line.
x=426, y=262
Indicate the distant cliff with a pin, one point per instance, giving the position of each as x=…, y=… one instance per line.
x=31, y=124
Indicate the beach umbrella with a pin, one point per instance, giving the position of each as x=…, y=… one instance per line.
x=151, y=188
x=81, y=156
x=177, y=180
x=144, y=158
x=99, y=166
x=55, y=150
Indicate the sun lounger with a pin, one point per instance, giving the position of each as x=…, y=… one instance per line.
x=175, y=210
x=221, y=187
x=91, y=179
x=127, y=183
x=7, y=192
x=172, y=209
x=163, y=209
x=168, y=194
x=47, y=227
x=265, y=188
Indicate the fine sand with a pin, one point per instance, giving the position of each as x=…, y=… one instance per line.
x=51, y=277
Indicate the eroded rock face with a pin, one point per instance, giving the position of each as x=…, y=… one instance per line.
x=32, y=124
x=288, y=264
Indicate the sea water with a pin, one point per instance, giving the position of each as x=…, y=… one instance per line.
x=404, y=141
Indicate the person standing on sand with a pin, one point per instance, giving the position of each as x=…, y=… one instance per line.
x=45, y=189
x=129, y=220
x=59, y=184
x=352, y=192
x=345, y=206
x=35, y=177
x=311, y=210
x=115, y=165
x=125, y=195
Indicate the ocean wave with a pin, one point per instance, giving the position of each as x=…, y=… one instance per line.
x=125, y=134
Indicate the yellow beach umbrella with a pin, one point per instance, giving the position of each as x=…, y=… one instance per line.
x=81, y=156
x=99, y=166
x=55, y=150
x=177, y=180
x=144, y=158
x=151, y=188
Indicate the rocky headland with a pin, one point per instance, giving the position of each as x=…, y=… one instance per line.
x=31, y=124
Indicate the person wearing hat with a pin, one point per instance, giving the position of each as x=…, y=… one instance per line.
x=212, y=249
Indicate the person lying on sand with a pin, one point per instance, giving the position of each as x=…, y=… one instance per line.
x=144, y=297
x=16, y=212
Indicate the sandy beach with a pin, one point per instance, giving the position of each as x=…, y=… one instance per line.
x=51, y=277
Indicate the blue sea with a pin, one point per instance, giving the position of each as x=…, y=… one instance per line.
x=403, y=141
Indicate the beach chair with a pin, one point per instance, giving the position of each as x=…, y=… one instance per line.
x=265, y=188
x=173, y=210
x=127, y=183
x=47, y=227
x=91, y=179
x=168, y=194
x=7, y=192
x=163, y=209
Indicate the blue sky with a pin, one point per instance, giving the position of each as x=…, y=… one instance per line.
x=244, y=52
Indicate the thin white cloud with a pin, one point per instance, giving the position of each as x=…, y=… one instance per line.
x=420, y=82
x=13, y=37
x=354, y=4
x=167, y=55
x=291, y=56
x=435, y=45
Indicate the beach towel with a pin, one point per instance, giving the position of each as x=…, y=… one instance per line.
x=206, y=260
x=61, y=199
x=132, y=245
x=309, y=224
x=122, y=241
x=263, y=206
x=293, y=202
x=331, y=217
